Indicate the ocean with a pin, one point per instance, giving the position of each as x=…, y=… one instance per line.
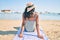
x=18, y=16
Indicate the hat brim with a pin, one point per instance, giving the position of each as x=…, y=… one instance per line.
x=29, y=9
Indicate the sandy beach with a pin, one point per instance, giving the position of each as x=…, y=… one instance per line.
x=8, y=29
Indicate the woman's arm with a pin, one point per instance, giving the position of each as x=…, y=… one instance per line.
x=23, y=22
x=37, y=25
x=38, y=29
x=22, y=28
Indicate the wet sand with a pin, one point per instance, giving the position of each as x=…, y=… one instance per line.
x=8, y=29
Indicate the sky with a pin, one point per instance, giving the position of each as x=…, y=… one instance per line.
x=41, y=5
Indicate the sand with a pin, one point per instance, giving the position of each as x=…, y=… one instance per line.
x=51, y=28
x=8, y=29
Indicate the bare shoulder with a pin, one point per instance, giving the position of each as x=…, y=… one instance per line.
x=36, y=13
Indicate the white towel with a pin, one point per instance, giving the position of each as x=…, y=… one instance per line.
x=30, y=36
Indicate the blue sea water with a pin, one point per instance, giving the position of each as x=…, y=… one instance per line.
x=18, y=16
x=49, y=16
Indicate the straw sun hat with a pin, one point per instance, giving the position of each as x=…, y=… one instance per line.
x=30, y=6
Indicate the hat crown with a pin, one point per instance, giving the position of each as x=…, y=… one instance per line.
x=29, y=3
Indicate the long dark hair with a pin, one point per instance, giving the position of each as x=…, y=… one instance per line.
x=28, y=14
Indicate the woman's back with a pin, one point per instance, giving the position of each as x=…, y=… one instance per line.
x=30, y=24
